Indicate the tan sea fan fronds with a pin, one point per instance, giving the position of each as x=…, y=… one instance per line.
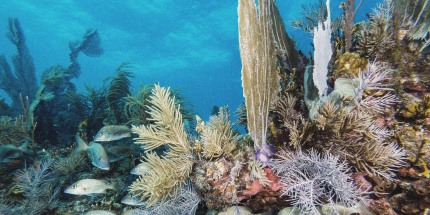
x=167, y=173
x=161, y=181
x=217, y=137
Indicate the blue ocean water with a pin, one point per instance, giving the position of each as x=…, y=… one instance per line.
x=192, y=45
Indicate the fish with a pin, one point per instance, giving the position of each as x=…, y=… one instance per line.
x=112, y=132
x=120, y=152
x=90, y=187
x=100, y=212
x=133, y=200
x=9, y=153
x=95, y=152
x=140, y=169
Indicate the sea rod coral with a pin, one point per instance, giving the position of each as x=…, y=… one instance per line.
x=167, y=173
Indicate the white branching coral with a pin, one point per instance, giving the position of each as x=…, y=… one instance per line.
x=166, y=174
x=311, y=179
x=323, y=52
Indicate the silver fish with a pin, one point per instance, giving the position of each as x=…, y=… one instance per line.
x=133, y=200
x=112, y=132
x=9, y=153
x=100, y=212
x=96, y=153
x=140, y=169
x=90, y=187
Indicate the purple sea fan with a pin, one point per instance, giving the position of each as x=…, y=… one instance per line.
x=312, y=180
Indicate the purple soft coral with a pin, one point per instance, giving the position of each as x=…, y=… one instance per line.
x=265, y=153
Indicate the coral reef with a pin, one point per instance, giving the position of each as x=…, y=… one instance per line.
x=334, y=145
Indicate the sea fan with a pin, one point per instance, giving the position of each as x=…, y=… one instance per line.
x=313, y=180
x=38, y=189
x=373, y=79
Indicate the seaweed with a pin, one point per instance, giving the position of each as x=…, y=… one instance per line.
x=117, y=90
x=90, y=106
x=23, y=79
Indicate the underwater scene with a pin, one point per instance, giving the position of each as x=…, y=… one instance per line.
x=270, y=107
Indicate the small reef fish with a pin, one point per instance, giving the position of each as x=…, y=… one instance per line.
x=133, y=200
x=96, y=153
x=112, y=132
x=90, y=187
x=9, y=153
x=100, y=212
x=120, y=152
x=140, y=169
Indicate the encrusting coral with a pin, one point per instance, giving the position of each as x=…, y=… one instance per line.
x=349, y=63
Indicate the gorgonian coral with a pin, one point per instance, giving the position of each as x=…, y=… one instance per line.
x=312, y=180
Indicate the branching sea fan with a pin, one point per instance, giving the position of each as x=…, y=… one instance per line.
x=312, y=180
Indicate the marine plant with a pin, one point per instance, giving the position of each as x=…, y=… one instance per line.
x=17, y=131
x=10, y=132
x=117, y=90
x=354, y=135
x=38, y=188
x=374, y=36
x=311, y=15
x=169, y=172
x=89, y=105
x=240, y=114
x=415, y=19
x=23, y=79
x=349, y=11
x=217, y=136
x=70, y=165
x=136, y=106
x=185, y=203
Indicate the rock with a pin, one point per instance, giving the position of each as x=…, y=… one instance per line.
x=289, y=211
x=233, y=210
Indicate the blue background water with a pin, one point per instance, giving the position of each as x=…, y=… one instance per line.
x=186, y=44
